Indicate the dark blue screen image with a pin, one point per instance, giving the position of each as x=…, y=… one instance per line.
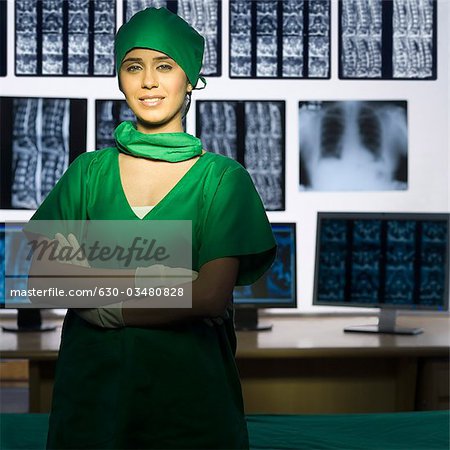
x=382, y=261
x=278, y=285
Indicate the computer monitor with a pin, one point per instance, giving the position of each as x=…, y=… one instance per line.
x=13, y=249
x=277, y=288
x=391, y=261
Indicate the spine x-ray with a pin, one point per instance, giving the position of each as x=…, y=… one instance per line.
x=203, y=15
x=39, y=138
x=65, y=37
x=279, y=38
x=353, y=145
x=399, y=262
x=387, y=39
x=3, y=6
x=108, y=115
x=253, y=133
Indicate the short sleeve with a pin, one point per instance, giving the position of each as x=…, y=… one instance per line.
x=237, y=225
x=65, y=202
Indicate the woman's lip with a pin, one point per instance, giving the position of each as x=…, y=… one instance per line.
x=150, y=102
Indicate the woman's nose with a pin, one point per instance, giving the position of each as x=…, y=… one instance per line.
x=150, y=78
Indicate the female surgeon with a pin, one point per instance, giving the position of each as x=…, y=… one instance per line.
x=158, y=378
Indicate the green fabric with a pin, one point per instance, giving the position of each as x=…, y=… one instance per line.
x=217, y=194
x=428, y=430
x=171, y=147
x=161, y=30
x=168, y=387
x=394, y=431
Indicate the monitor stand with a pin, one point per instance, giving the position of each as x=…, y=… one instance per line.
x=29, y=320
x=386, y=324
x=246, y=319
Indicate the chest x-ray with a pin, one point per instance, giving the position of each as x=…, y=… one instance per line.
x=353, y=145
x=65, y=37
x=203, y=15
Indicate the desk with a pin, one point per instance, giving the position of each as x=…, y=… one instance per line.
x=306, y=364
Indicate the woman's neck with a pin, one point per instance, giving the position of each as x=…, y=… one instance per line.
x=171, y=127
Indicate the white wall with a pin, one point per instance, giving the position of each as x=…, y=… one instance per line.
x=428, y=140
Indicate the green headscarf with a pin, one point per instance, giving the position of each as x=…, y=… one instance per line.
x=161, y=30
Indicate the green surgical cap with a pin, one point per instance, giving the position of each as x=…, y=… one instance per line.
x=161, y=30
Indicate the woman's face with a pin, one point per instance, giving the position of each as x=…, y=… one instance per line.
x=155, y=87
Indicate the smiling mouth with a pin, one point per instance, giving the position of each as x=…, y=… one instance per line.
x=151, y=101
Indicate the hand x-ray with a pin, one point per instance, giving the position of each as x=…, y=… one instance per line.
x=279, y=39
x=65, y=37
x=387, y=39
x=203, y=15
x=353, y=145
x=253, y=133
x=39, y=138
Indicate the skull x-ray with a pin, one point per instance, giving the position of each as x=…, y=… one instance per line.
x=3, y=6
x=65, y=37
x=253, y=133
x=203, y=15
x=353, y=145
x=279, y=38
x=387, y=39
x=39, y=138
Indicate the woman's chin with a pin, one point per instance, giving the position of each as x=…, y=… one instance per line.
x=158, y=124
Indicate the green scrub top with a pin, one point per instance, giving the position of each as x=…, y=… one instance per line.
x=170, y=387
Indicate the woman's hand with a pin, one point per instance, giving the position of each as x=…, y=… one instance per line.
x=158, y=275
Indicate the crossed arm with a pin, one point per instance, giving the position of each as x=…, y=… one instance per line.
x=211, y=291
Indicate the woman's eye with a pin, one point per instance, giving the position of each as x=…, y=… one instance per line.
x=165, y=67
x=133, y=68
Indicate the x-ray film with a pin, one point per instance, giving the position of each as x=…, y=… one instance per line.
x=279, y=38
x=65, y=37
x=203, y=15
x=108, y=115
x=353, y=145
x=39, y=138
x=253, y=133
x=387, y=39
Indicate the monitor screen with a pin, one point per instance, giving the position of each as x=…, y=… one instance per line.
x=13, y=251
x=277, y=287
x=392, y=260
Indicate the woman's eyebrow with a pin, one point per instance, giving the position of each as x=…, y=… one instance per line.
x=156, y=58
x=131, y=60
x=161, y=58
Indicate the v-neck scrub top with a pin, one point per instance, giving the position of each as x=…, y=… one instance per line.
x=170, y=387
